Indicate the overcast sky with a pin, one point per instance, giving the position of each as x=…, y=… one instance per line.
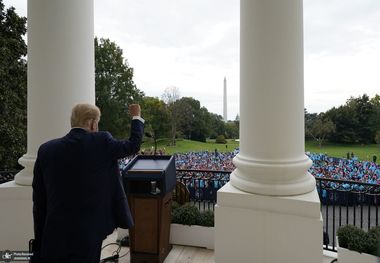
x=194, y=44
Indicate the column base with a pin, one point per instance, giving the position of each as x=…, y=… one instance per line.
x=16, y=227
x=267, y=229
x=266, y=177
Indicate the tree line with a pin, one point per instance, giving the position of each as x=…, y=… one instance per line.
x=13, y=98
x=357, y=121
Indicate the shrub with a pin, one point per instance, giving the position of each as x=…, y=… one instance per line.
x=206, y=218
x=220, y=139
x=356, y=239
x=190, y=215
x=345, y=233
x=186, y=215
x=373, y=241
x=175, y=205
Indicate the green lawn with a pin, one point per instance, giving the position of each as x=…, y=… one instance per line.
x=364, y=152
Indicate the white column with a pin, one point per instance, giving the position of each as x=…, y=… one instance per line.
x=270, y=210
x=60, y=70
x=272, y=158
x=60, y=74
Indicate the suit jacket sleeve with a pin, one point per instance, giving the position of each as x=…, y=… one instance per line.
x=120, y=149
x=39, y=203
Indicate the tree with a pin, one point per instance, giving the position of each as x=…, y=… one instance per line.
x=237, y=124
x=232, y=129
x=186, y=109
x=156, y=117
x=345, y=124
x=217, y=125
x=170, y=96
x=377, y=137
x=321, y=128
x=193, y=120
x=13, y=88
x=374, y=119
x=356, y=121
x=309, y=121
x=201, y=129
x=114, y=87
x=363, y=110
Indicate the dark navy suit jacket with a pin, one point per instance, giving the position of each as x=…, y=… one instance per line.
x=78, y=197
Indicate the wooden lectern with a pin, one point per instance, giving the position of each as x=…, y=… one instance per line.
x=149, y=182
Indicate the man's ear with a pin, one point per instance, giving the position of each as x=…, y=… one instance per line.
x=92, y=125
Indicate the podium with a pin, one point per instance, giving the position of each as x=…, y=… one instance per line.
x=149, y=182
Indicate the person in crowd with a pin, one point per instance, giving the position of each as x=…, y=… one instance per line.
x=344, y=169
x=78, y=198
x=323, y=166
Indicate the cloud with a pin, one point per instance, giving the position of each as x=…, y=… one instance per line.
x=188, y=44
x=340, y=27
x=193, y=44
x=342, y=51
x=331, y=80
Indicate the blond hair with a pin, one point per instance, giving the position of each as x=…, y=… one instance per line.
x=83, y=113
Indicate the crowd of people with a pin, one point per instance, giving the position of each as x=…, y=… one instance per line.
x=323, y=166
x=344, y=169
x=206, y=184
x=205, y=160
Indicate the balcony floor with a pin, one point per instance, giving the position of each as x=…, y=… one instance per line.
x=178, y=254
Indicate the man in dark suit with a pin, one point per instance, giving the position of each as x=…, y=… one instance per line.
x=78, y=198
